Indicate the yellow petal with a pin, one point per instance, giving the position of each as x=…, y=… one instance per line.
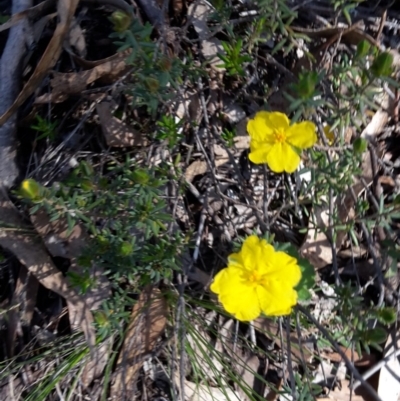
x=236, y=295
x=263, y=264
x=248, y=309
x=243, y=303
x=283, y=158
x=279, y=121
x=259, y=154
x=218, y=281
x=302, y=135
x=259, y=128
x=251, y=252
x=283, y=265
x=276, y=300
x=227, y=280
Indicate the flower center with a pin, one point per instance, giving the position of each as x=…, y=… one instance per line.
x=255, y=278
x=279, y=135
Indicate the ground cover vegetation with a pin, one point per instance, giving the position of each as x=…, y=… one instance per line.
x=200, y=200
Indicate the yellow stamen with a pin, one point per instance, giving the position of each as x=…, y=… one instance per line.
x=280, y=136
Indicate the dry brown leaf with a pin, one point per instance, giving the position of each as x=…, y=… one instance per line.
x=204, y=392
x=199, y=167
x=95, y=367
x=245, y=362
x=148, y=321
x=364, y=361
x=88, y=64
x=66, y=10
x=115, y=131
x=22, y=306
x=75, y=82
x=210, y=46
x=60, y=242
x=344, y=393
x=271, y=329
x=76, y=38
x=31, y=252
x=317, y=247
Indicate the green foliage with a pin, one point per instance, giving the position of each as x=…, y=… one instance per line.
x=360, y=145
x=127, y=216
x=346, y=7
x=233, y=59
x=46, y=129
x=168, y=130
x=276, y=17
x=304, y=392
x=155, y=76
x=353, y=323
x=305, y=88
x=382, y=65
x=123, y=205
x=228, y=136
x=363, y=49
x=4, y=18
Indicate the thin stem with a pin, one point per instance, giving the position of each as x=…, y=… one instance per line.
x=346, y=360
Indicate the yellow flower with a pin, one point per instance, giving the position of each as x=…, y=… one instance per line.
x=275, y=142
x=257, y=279
x=330, y=135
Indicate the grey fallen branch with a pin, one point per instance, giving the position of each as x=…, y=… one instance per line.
x=10, y=71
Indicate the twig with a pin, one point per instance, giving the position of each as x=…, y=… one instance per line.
x=381, y=26
x=266, y=200
x=376, y=367
x=289, y=356
x=182, y=281
x=152, y=11
x=374, y=256
x=201, y=228
x=346, y=360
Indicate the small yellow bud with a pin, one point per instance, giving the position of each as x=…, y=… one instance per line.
x=30, y=189
x=165, y=64
x=152, y=84
x=121, y=21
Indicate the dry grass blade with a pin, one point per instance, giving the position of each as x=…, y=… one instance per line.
x=148, y=321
